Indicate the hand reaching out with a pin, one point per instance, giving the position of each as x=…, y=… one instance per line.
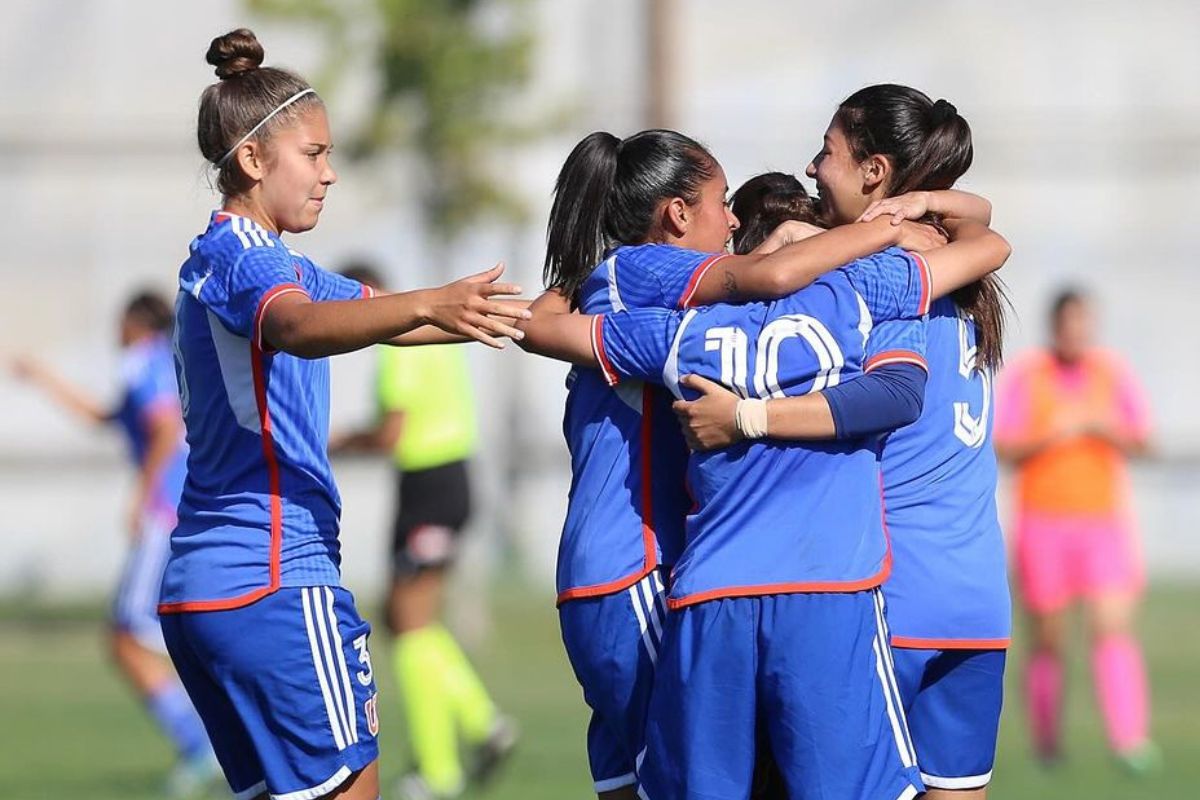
x=466, y=307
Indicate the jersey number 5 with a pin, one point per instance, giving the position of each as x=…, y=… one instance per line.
x=971, y=430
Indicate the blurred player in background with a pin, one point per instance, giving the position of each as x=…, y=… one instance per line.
x=1068, y=418
x=148, y=415
x=268, y=643
x=426, y=421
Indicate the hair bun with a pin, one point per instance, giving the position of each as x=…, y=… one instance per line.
x=235, y=53
x=942, y=111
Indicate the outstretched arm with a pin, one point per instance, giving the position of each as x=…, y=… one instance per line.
x=74, y=399
x=295, y=324
x=555, y=332
x=766, y=276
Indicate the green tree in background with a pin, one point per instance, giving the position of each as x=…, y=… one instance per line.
x=443, y=70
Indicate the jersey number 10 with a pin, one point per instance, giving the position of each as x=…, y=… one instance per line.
x=732, y=343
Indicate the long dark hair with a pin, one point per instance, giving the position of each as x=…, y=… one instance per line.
x=929, y=146
x=763, y=203
x=607, y=193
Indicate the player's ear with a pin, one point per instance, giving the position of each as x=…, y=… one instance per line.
x=875, y=171
x=250, y=159
x=676, y=217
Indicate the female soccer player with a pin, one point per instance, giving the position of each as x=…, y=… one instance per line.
x=148, y=415
x=776, y=612
x=268, y=644
x=642, y=222
x=948, y=604
x=1069, y=416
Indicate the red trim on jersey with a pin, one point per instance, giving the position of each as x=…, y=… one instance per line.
x=918, y=643
x=926, y=283
x=610, y=375
x=261, y=311
x=895, y=357
x=862, y=584
x=367, y=292
x=649, y=538
x=257, y=359
x=875, y=580
x=694, y=282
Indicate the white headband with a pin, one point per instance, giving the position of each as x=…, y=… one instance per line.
x=265, y=120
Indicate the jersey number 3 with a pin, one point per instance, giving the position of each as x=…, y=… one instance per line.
x=971, y=430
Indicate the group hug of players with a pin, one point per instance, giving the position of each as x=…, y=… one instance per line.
x=799, y=591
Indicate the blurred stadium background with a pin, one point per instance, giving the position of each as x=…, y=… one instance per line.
x=1087, y=135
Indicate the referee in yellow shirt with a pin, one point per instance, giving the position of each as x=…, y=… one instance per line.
x=426, y=421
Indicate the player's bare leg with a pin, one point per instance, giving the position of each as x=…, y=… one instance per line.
x=142, y=667
x=1120, y=678
x=416, y=601
x=624, y=793
x=362, y=785
x=956, y=794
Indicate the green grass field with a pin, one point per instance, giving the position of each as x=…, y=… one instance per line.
x=69, y=728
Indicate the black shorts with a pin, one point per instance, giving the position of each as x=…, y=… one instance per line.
x=433, y=507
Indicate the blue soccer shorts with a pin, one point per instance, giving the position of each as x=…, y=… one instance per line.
x=135, y=604
x=812, y=669
x=952, y=699
x=284, y=687
x=613, y=643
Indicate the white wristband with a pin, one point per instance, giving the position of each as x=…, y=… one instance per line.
x=750, y=417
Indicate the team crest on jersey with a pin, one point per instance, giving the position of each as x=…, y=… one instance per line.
x=372, y=714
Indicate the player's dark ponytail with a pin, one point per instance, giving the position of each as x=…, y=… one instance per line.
x=608, y=193
x=766, y=201
x=929, y=146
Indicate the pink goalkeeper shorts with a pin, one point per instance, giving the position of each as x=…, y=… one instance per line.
x=1062, y=559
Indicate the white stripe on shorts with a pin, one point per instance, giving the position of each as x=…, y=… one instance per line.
x=332, y=657
x=352, y=716
x=608, y=784
x=968, y=782
x=253, y=791
x=336, y=780
x=636, y=597
x=336, y=725
x=908, y=794
x=648, y=592
x=885, y=643
x=883, y=670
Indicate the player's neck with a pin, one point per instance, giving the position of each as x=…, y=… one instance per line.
x=247, y=206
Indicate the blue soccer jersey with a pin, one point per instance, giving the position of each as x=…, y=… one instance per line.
x=259, y=508
x=628, y=499
x=949, y=586
x=148, y=376
x=771, y=517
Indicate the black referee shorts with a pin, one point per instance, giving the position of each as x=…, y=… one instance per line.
x=433, y=505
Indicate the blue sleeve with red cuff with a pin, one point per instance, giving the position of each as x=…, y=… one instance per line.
x=884, y=399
